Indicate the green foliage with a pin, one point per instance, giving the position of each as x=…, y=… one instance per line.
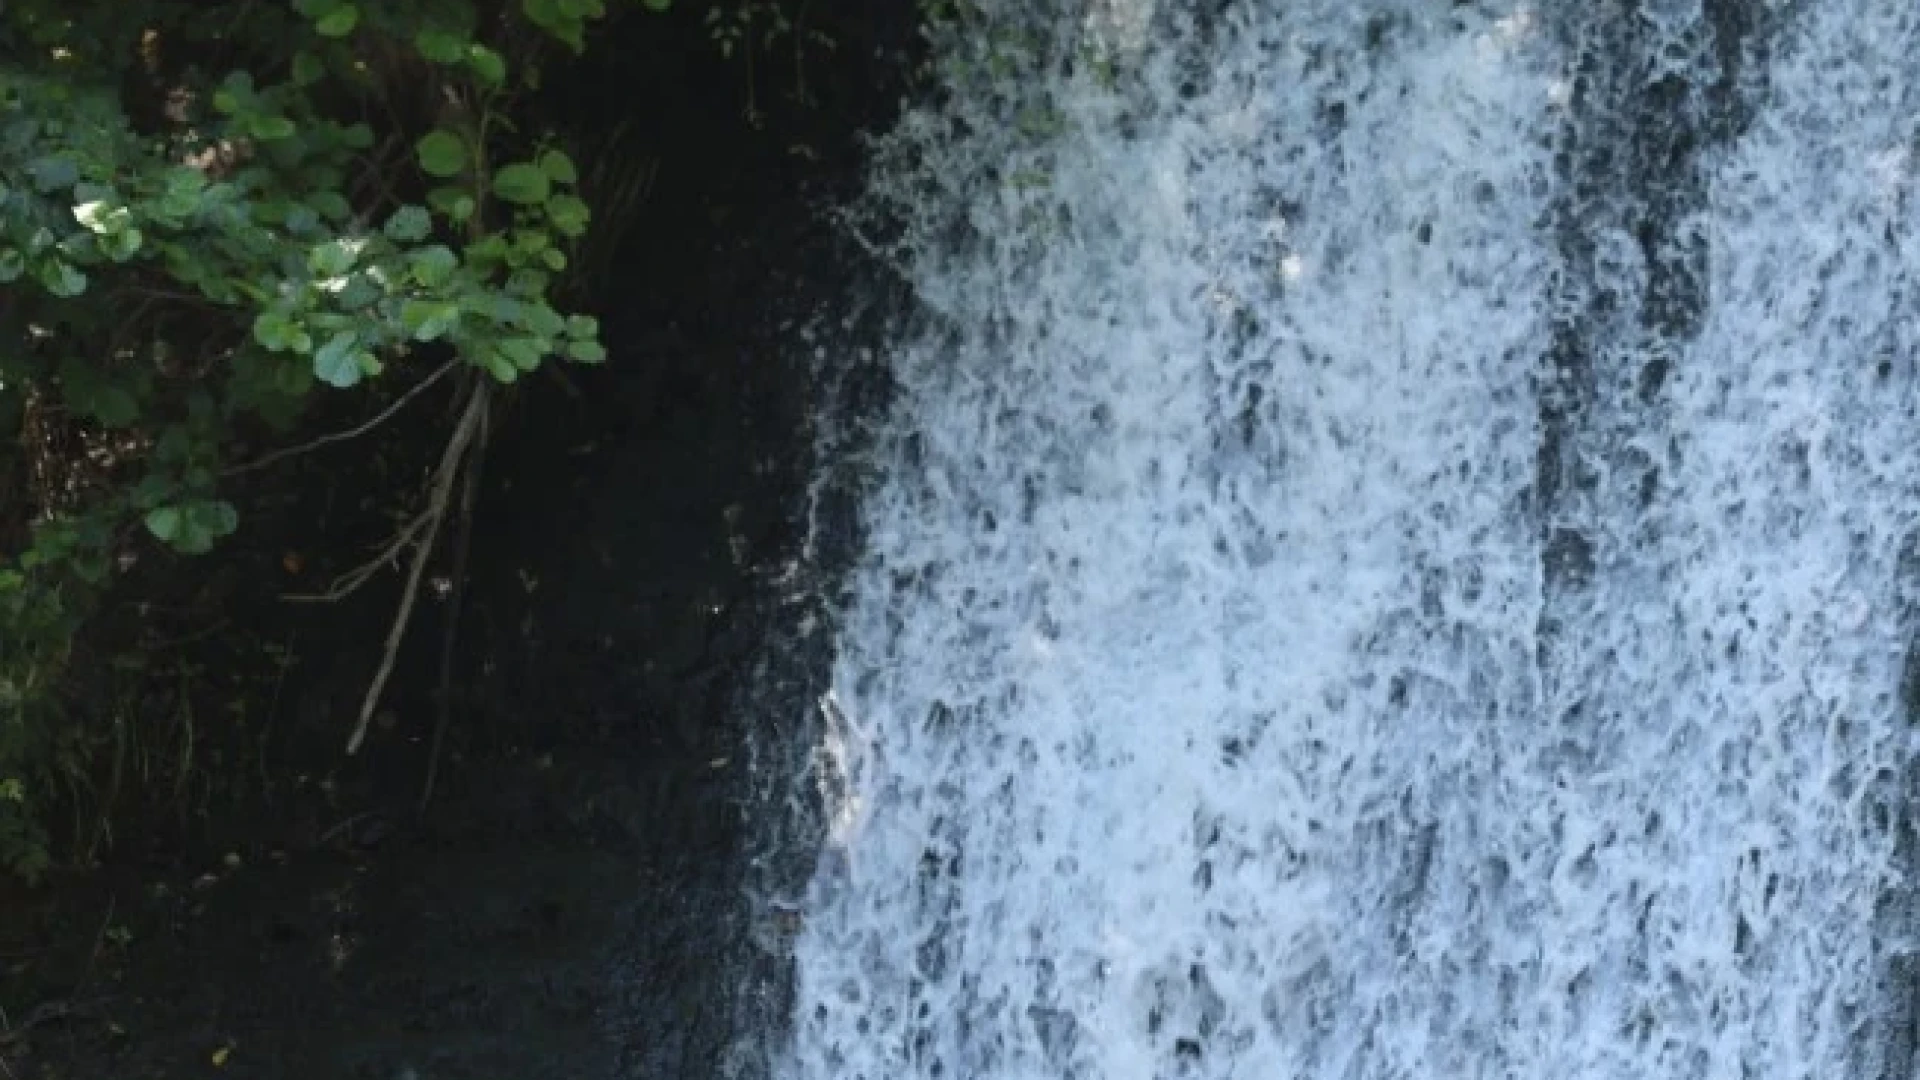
x=197, y=274
x=742, y=28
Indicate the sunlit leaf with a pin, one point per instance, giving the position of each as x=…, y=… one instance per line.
x=409, y=224
x=335, y=362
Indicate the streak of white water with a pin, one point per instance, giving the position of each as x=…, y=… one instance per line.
x=1208, y=702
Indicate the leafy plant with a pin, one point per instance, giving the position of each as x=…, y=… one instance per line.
x=740, y=29
x=201, y=232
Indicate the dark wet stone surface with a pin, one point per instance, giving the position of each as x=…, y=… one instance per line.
x=570, y=905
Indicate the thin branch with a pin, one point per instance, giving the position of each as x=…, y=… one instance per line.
x=155, y=292
x=346, y=584
x=46, y=1012
x=341, y=436
x=343, y=826
x=463, y=542
x=99, y=938
x=450, y=464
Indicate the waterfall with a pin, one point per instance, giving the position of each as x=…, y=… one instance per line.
x=1391, y=551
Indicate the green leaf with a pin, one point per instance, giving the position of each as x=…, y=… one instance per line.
x=151, y=490
x=113, y=406
x=123, y=245
x=455, y=202
x=521, y=183
x=336, y=363
x=83, y=248
x=586, y=352
x=181, y=195
x=52, y=172
x=489, y=249
x=331, y=205
x=301, y=220
x=277, y=333
x=544, y=14
x=61, y=279
x=91, y=394
x=530, y=242
x=307, y=69
x=333, y=258
x=523, y=353
x=528, y=282
x=569, y=215
x=270, y=128
x=217, y=515
x=432, y=266
x=91, y=567
x=487, y=65
x=235, y=95
x=409, y=224
x=560, y=18
x=555, y=259
x=12, y=265
x=497, y=365
x=543, y=320
x=165, y=522
x=356, y=137
x=493, y=307
x=191, y=528
x=582, y=326
x=426, y=320
x=442, y=153
x=339, y=22
x=558, y=167
x=657, y=5
x=357, y=293
x=102, y=217
x=440, y=46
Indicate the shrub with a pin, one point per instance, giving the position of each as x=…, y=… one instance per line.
x=210, y=214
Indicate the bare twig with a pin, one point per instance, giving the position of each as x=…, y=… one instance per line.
x=284, y=660
x=342, y=826
x=344, y=585
x=451, y=461
x=47, y=1012
x=155, y=292
x=342, y=436
x=44, y=1013
x=469, y=495
x=93, y=957
x=188, y=638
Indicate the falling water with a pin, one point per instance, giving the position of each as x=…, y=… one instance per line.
x=1391, y=553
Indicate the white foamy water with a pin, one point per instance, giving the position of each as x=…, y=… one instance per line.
x=1224, y=692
